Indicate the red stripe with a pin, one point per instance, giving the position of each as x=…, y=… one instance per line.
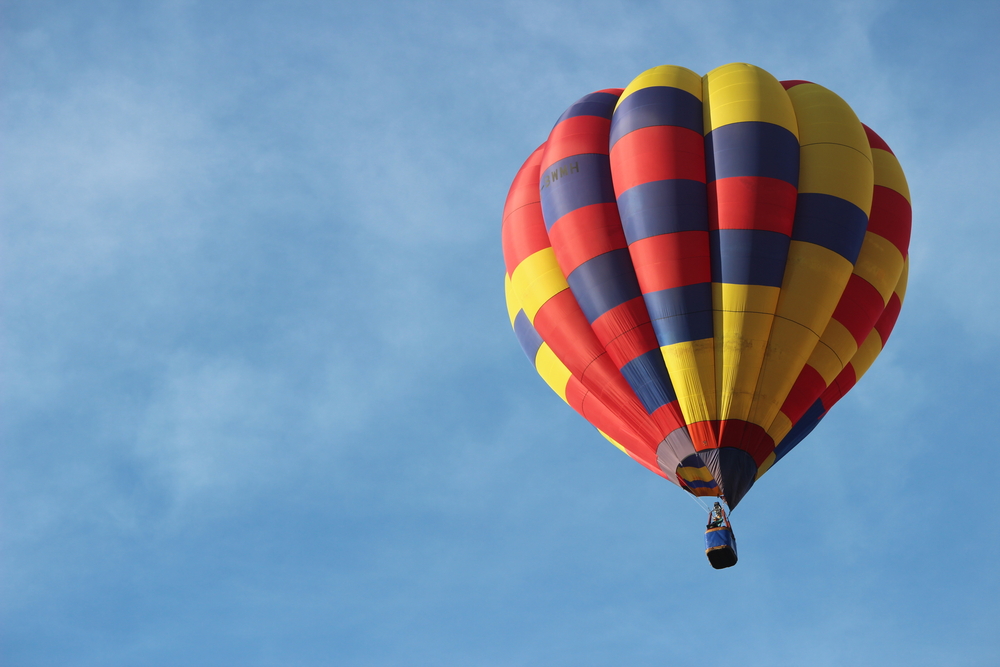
x=743, y=435
x=620, y=319
x=585, y=233
x=657, y=153
x=887, y=321
x=793, y=82
x=891, y=217
x=577, y=135
x=522, y=235
x=751, y=202
x=876, y=141
x=524, y=188
x=672, y=260
x=859, y=308
x=809, y=386
x=704, y=435
x=669, y=417
x=839, y=388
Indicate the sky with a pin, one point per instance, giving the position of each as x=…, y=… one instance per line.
x=260, y=402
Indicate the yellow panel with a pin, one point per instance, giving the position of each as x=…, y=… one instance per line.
x=743, y=318
x=513, y=304
x=665, y=75
x=834, y=350
x=691, y=366
x=609, y=439
x=692, y=474
x=867, y=353
x=740, y=92
x=903, y=278
x=840, y=171
x=889, y=173
x=779, y=428
x=824, y=118
x=880, y=263
x=814, y=281
x=766, y=465
x=536, y=280
x=553, y=371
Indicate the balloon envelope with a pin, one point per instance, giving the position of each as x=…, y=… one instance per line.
x=702, y=266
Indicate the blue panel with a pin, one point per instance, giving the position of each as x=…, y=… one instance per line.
x=752, y=148
x=662, y=207
x=802, y=428
x=527, y=336
x=648, y=378
x=603, y=282
x=830, y=222
x=748, y=256
x=656, y=105
x=594, y=104
x=733, y=468
x=575, y=182
x=681, y=314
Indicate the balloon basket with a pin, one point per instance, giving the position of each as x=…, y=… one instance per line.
x=720, y=547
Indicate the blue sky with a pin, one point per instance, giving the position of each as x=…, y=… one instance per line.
x=261, y=400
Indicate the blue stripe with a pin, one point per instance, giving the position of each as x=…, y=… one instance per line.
x=752, y=148
x=603, y=282
x=648, y=378
x=681, y=314
x=662, y=207
x=698, y=484
x=527, y=336
x=594, y=104
x=803, y=427
x=575, y=182
x=656, y=105
x=748, y=256
x=831, y=222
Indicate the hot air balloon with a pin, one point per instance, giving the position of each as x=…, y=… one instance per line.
x=702, y=266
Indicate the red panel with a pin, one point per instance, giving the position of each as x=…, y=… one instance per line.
x=672, y=260
x=891, y=217
x=704, y=435
x=792, y=83
x=876, y=141
x=859, y=308
x=751, y=202
x=809, y=386
x=585, y=233
x=523, y=234
x=632, y=343
x=751, y=438
x=657, y=153
x=524, y=188
x=577, y=135
x=620, y=319
x=839, y=388
x=887, y=321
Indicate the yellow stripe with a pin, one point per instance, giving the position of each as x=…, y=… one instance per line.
x=889, y=173
x=537, y=279
x=835, y=170
x=835, y=349
x=692, y=474
x=880, y=263
x=740, y=92
x=779, y=429
x=691, y=366
x=665, y=75
x=903, y=278
x=766, y=465
x=742, y=318
x=867, y=353
x=824, y=118
x=553, y=371
x=815, y=278
x=513, y=304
